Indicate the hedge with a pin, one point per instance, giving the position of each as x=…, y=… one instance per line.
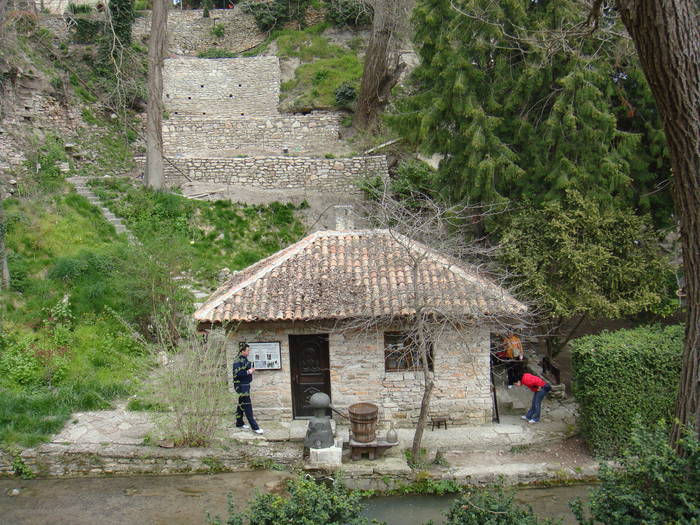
x=618, y=376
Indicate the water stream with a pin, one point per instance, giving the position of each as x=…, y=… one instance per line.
x=549, y=502
x=174, y=500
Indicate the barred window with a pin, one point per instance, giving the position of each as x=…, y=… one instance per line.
x=401, y=353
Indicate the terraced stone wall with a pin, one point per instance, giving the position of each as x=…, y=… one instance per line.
x=221, y=88
x=299, y=134
x=320, y=175
x=189, y=32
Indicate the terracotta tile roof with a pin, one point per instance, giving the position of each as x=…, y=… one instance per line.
x=347, y=274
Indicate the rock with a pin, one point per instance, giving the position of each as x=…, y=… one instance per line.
x=163, y=358
x=166, y=443
x=223, y=274
x=15, y=492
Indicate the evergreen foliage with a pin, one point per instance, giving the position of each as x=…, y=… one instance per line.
x=623, y=376
x=575, y=259
x=524, y=103
x=653, y=484
x=122, y=13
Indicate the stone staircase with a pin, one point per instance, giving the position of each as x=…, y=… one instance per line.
x=82, y=188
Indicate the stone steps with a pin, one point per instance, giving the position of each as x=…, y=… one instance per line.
x=81, y=188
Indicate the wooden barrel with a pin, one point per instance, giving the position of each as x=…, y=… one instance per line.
x=363, y=421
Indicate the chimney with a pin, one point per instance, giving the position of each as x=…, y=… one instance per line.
x=343, y=217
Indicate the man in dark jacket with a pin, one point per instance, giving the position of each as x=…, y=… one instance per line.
x=242, y=376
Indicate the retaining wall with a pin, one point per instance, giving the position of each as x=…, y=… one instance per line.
x=321, y=175
x=300, y=134
x=189, y=32
x=223, y=88
x=56, y=460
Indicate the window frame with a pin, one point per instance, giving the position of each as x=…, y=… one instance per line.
x=392, y=348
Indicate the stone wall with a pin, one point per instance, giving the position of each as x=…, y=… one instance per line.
x=300, y=134
x=190, y=33
x=319, y=175
x=461, y=365
x=58, y=460
x=221, y=88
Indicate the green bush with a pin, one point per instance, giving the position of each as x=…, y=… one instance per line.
x=352, y=13
x=274, y=14
x=18, y=362
x=76, y=9
x=619, y=376
x=87, y=30
x=308, y=502
x=218, y=30
x=653, y=484
x=345, y=94
x=492, y=505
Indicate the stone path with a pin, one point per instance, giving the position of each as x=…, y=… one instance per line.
x=518, y=451
x=81, y=187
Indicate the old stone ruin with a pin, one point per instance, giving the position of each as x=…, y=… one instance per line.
x=224, y=133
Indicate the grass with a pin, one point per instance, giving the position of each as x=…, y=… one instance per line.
x=207, y=236
x=315, y=82
x=324, y=66
x=216, y=52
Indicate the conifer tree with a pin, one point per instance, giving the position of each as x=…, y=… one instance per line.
x=524, y=103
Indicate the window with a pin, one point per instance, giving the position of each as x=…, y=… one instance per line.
x=401, y=353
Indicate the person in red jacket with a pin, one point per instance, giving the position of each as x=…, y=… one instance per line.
x=540, y=388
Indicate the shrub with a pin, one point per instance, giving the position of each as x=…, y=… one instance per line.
x=653, y=484
x=194, y=388
x=492, y=505
x=18, y=363
x=353, y=13
x=218, y=30
x=621, y=375
x=274, y=14
x=86, y=30
x=308, y=502
x=76, y=9
x=345, y=94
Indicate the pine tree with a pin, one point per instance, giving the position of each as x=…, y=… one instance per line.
x=524, y=103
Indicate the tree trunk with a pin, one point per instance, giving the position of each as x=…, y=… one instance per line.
x=382, y=67
x=428, y=384
x=667, y=37
x=154, y=133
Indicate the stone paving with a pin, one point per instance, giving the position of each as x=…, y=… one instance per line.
x=472, y=454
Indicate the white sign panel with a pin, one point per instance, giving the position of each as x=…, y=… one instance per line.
x=265, y=356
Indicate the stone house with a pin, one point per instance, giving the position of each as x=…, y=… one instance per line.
x=330, y=313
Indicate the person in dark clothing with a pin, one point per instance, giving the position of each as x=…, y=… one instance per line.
x=540, y=388
x=242, y=376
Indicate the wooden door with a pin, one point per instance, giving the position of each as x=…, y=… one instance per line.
x=308, y=359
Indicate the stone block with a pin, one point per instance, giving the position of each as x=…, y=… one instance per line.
x=325, y=458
